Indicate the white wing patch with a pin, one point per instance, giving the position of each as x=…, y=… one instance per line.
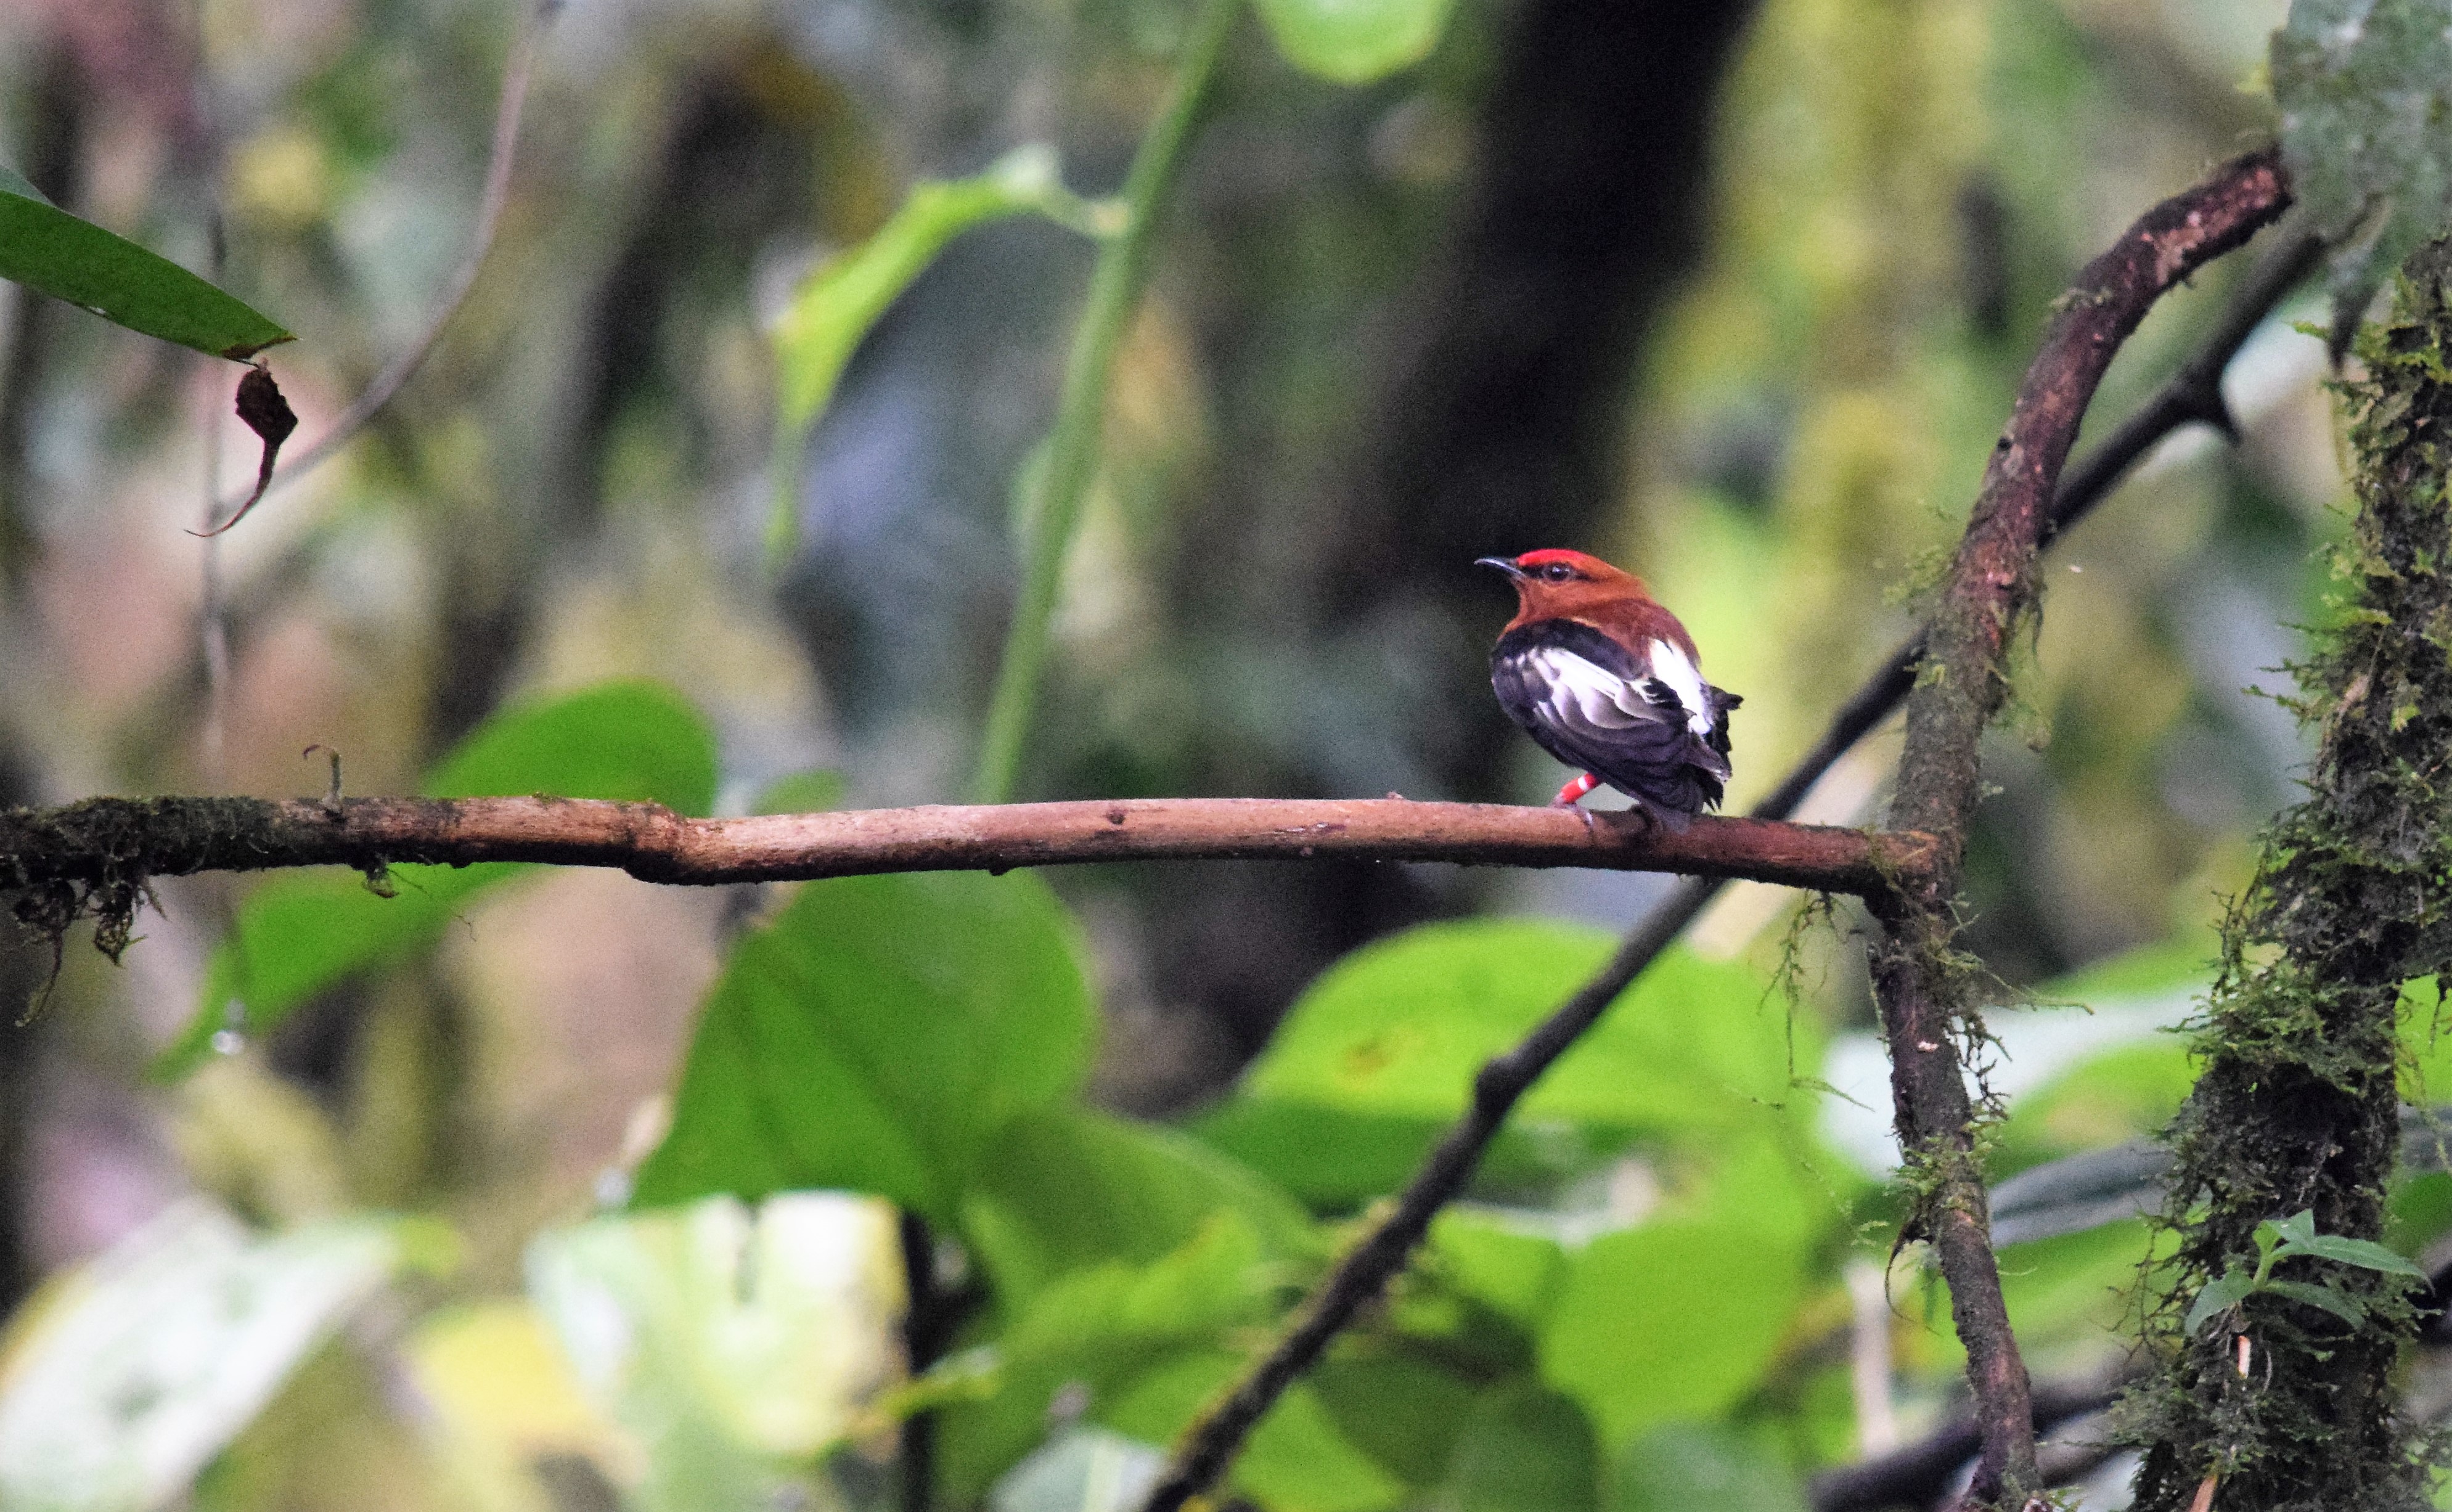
x=1669, y=665
x=1582, y=690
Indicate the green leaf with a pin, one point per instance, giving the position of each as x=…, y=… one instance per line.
x=1703, y=1467
x=46, y=248
x=1095, y=1331
x=302, y=934
x=1060, y=1189
x=1081, y=1471
x=840, y=300
x=1355, y=41
x=1674, y=1319
x=12, y=182
x=628, y=742
x=2364, y=1253
x=1297, y=1460
x=809, y=792
x=2366, y=87
x=2220, y=1294
x=2332, y=1299
x=877, y=1036
x=1400, y=1409
x=1514, y=1274
x=1523, y=1449
x=1336, y=1159
x=740, y=1343
x=1401, y=1027
x=151, y=1359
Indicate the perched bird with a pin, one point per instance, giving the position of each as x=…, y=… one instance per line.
x=1608, y=682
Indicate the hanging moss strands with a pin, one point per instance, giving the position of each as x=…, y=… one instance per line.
x=2274, y=1399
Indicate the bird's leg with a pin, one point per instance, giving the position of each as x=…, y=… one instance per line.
x=1573, y=790
x=1569, y=795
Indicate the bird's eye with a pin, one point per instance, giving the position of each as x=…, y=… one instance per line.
x=1558, y=572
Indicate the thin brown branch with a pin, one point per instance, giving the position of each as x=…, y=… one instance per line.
x=2192, y=395
x=1920, y=1474
x=1990, y=595
x=104, y=838
x=504, y=148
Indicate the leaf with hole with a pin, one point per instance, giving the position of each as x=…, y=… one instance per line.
x=53, y=253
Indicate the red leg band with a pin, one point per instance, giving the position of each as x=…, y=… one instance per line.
x=1573, y=790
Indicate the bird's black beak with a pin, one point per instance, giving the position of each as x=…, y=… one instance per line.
x=1503, y=565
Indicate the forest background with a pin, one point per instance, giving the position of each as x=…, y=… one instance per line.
x=1736, y=296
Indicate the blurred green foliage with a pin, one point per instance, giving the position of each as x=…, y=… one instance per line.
x=672, y=1137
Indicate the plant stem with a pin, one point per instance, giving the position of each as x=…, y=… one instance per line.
x=1072, y=454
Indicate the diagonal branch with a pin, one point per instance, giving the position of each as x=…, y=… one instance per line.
x=105, y=839
x=1928, y=1008
x=2191, y=395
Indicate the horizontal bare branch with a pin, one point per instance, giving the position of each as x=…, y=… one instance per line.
x=104, y=837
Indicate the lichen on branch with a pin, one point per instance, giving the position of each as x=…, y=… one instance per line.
x=2296, y=1108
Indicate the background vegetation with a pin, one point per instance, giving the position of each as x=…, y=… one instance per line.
x=533, y=1191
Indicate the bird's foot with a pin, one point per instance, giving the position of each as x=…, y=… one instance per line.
x=1568, y=797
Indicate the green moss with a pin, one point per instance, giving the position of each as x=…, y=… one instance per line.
x=94, y=860
x=2296, y=1107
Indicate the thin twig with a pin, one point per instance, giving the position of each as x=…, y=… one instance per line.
x=102, y=838
x=516, y=73
x=1210, y=1445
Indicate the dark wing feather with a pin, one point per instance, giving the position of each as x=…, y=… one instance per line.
x=1593, y=705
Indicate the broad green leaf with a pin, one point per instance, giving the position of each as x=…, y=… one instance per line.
x=2366, y=87
x=1083, y=1470
x=1401, y=1027
x=300, y=934
x=877, y=1036
x=1669, y=1322
x=1355, y=41
x=810, y=792
x=1523, y=1449
x=132, y=1372
x=2331, y=1299
x=2296, y=1229
x=1336, y=1159
x=1059, y=1189
x=2364, y=1253
x=1297, y=1460
x=838, y=303
x=1399, y=1408
x=49, y=250
x=1093, y=1332
x=2219, y=1296
x=1514, y=1274
x=1703, y=1467
x=736, y=1345
x=12, y=182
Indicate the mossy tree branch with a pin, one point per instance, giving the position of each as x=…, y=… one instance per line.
x=1927, y=1011
x=2297, y=1106
x=104, y=841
